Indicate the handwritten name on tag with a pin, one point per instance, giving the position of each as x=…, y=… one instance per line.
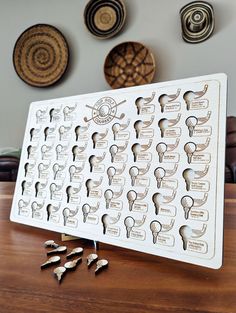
x=197, y=246
x=122, y=136
x=142, y=181
x=80, y=157
x=138, y=234
x=144, y=157
x=101, y=144
x=172, y=132
x=201, y=158
x=54, y=218
x=113, y=231
x=120, y=158
x=118, y=180
x=171, y=157
x=24, y=212
x=169, y=184
x=147, y=109
x=165, y=240
x=167, y=210
x=172, y=107
x=139, y=206
x=95, y=193
x=198, y=215
x=92, y=219
x=146, y=133
x=199, y=104
x=98, y=168
x=201, y=131
x=71, y=222
x=116, y=205
x=38, y=215
x=200, y=185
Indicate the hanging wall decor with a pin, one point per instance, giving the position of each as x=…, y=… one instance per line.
x=129, y=64
x=41, y=55
x=197, y=20
x=104, y=18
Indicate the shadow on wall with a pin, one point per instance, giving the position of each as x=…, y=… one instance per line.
x=224, y=15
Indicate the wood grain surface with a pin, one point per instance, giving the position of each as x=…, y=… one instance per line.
x=134, y=282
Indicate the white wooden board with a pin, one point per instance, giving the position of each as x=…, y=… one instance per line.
x=141, y=168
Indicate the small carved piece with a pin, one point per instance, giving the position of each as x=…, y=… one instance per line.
x=71, y=265
x=101, y=264
x=91, y=258
x=51, y=244
x=59, y=272
x=74, y=252
x=51, y=261
x=60, y=249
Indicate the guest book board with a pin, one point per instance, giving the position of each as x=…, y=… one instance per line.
x=141, y=168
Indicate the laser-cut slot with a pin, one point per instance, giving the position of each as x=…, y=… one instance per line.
x=164, y=99
x=186, y=233
x=189, y=96
x=131, y=223
x=108, y=220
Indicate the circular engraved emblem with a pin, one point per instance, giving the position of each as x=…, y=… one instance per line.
x=104, y=111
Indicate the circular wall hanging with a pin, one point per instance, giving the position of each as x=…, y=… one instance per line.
x=197, y=20
x=41, y=55
x=104, y=18
x=129, y=64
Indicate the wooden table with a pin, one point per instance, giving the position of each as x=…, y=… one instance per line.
x=133, y=283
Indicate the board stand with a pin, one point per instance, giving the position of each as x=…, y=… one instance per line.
x=65, y=237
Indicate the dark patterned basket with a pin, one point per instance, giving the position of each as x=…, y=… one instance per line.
x=104, y=18
x=129, y=64
x=41, y=55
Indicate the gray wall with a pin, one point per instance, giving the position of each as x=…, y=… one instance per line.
x=155, y=23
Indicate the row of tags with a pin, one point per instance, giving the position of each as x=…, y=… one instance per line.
x=144, y=129
x=72, y=195
x=114, y=175
x=138, y=176
x=111, y=224
x=144, y=105
x=135, y=203
x=139, y=151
